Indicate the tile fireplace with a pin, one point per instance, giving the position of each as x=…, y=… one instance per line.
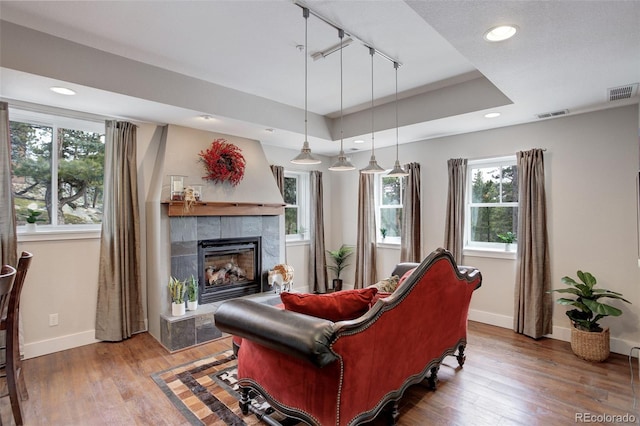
x=237, y=251
x=229, y=268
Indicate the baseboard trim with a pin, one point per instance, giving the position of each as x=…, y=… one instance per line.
x=618, y=346
x=62, y=343
x=490, y=318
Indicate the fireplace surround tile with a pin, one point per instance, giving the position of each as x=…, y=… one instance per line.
x=208, y=227
x=197, y=327
x=241, y=226
x=183, y=229
x=185, y=232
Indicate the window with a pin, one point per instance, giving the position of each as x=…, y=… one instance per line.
x=492, y=203
x=296, y=198
x=389, y=194
x=57, y=165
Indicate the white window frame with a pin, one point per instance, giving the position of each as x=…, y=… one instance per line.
x=479, y=248
x=379, y=206
x=302, y=191
x=55, y=120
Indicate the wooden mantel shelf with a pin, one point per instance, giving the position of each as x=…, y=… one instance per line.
x=214, y=208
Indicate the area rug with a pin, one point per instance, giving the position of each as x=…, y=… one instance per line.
x=205, y=391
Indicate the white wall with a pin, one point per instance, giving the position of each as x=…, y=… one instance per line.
x=297, y=252
x=63, y=277
x=591, y=167
x=591, y=171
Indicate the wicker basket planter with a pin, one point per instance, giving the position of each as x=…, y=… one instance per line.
x=589, y=345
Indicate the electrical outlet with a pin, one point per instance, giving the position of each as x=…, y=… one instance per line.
x=53, y=320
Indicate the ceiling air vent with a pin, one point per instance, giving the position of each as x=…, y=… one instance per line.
x=622, y=92
x=553, y=114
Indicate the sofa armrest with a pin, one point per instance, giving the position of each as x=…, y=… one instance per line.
x=301, y=336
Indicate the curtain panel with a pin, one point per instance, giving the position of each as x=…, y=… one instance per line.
x=317, y=260
x=411, y=230
x=278, y=175
x=366, y=236
x=8, y=238
x=119, y=307
x=533, y=304
x=454, y=226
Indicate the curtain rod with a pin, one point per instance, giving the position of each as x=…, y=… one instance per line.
x=348, y=33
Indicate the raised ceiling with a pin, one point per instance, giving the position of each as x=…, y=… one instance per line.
x=239, y=62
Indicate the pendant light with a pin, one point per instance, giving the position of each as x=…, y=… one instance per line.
x=305, y=156
x=397, y=171
x=342, y=163
x=373, y=166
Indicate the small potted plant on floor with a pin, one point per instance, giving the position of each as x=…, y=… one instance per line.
x=339, y=258
x=192, y=293
x=177, y=291
x=589, y=340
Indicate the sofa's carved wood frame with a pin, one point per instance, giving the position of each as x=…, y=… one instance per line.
x=340, y=329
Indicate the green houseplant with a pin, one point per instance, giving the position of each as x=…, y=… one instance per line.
x=192, y=293
x=589, y=340
x=339, y=258
x=508, y=237
x=32, y=217
x=177, y=291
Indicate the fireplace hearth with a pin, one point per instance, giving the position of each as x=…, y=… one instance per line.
x=229, y=268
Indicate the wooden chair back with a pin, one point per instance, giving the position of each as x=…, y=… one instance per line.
x=7, y=277
x=10, y=322
x=21, y=272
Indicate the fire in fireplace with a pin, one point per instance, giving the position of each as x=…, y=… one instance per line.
x=229, y=268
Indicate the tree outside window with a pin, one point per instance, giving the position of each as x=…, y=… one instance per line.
x=291, y=222
x=389, y=200
x=492, y=208
x=296, y=196
x=57, y=169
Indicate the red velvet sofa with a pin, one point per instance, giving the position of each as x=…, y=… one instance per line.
x=347, y=372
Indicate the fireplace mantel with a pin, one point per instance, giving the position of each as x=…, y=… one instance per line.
x=215, y=208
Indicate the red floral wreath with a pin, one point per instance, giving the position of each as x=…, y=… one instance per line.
x=223, y=161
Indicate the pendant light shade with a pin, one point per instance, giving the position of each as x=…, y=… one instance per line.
x=373, y=166
x=342, y=163
x=305, y=156
x=397, y=171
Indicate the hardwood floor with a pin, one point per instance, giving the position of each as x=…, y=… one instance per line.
x=507, y=379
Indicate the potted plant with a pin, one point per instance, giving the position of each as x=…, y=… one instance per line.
x=177, y=291
x=589, y=340
x=339, y=258
x=192, y=293
x=507, y=238
x=32, y=217
x=383, y=232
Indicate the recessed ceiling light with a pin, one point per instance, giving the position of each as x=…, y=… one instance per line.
x=358, y=141
x=62, y=90
x=492, y=115
x=206, y=117
x=500, y=33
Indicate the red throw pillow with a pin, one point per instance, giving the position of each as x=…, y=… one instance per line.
x=338, y=306
x=405, y=276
